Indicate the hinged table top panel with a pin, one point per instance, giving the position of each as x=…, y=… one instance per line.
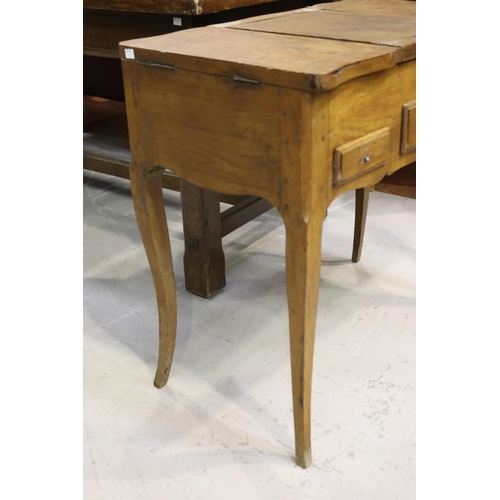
x=314, y=49
x=370, y=27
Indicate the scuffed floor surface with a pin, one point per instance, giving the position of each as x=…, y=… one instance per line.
x=223, y=427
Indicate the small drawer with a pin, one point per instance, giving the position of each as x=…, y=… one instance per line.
x=359, y=156
x=409, y=127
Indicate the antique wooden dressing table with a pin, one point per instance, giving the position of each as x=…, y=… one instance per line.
x=295, y=108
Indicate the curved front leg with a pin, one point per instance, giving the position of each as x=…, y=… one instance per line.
x=150, y=212
x=303, y=264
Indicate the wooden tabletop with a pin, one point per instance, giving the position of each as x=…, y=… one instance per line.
x=192, y=7
x=316, y=48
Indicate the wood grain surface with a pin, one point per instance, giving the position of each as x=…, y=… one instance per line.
x=350, y=106
x=371, y=27
x=314, y=48
x=239, y=130
x=312, y=64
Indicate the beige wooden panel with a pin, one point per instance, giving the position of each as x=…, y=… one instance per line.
x=209, y=130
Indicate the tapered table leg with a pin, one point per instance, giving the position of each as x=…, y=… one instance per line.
x=150, y=212
x=304, y=161
x=362, y=196
x=303, y=263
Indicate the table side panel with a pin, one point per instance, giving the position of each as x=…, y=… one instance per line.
x=369, y=104
x=216, y=133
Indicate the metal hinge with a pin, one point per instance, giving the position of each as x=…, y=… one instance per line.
x=240, y=79
x=157, y=65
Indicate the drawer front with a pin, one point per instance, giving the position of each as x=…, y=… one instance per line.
x=361, y=155
x=409, y=127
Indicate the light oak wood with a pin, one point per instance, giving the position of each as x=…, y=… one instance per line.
x=409, y=127
x=314, y=64
x=361, y=155
x=350, y=104
x=236, y=118
x=150, y=212
x=372, y=27
x=238, y=130
x=304, y=131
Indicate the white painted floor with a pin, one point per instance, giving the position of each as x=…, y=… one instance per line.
x=223, y=428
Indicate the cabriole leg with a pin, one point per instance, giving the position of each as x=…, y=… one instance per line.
x=150, y=212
